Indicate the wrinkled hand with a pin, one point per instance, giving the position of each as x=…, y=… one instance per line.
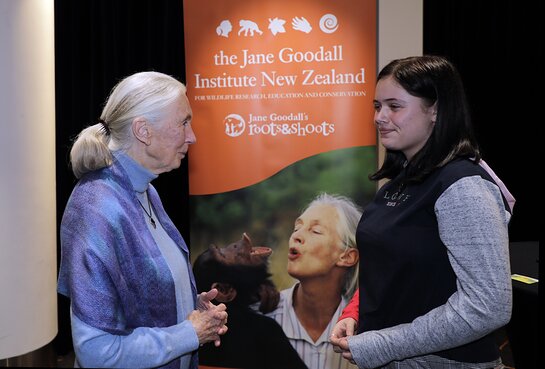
x=301, y=24
x=209, y=320
x=339, y=337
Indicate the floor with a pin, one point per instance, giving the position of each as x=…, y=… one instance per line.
x=66, y=361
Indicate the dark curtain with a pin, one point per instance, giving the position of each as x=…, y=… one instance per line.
x=498, y=48
x=497, y=45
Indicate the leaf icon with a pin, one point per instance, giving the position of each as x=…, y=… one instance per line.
x=276, y=25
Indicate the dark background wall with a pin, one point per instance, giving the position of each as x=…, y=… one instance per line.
x=497, y=46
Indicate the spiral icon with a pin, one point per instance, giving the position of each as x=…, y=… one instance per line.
x=328, y=23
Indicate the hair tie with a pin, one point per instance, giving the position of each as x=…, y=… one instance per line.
x=105, y=126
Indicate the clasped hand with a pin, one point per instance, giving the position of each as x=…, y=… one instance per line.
x=209, y=320
x=339, y=337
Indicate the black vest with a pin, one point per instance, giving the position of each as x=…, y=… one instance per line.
x=404, y=268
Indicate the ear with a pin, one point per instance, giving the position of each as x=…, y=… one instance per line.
x=141, y=130
x=349, y=257
x=226, y=292
x=434, y=113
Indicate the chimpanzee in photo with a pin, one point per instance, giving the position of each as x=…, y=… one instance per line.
x=239, y=271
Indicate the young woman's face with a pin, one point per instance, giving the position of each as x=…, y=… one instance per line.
x=314, y=245
x=403, y=121
x=172, y=137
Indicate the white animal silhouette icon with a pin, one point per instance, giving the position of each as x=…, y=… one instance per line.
x=248, y=26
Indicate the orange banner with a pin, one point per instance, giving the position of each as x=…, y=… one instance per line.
x=274, y=82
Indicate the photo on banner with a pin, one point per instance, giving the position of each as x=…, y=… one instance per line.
x=282, y=97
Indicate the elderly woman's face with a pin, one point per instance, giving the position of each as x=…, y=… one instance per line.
x=172, y=137
x=315, y=245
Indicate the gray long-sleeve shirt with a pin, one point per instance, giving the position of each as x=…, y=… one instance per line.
x=472, y=223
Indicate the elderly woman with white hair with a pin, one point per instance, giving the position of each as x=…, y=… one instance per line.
x=124, y=265
x=323, y=257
